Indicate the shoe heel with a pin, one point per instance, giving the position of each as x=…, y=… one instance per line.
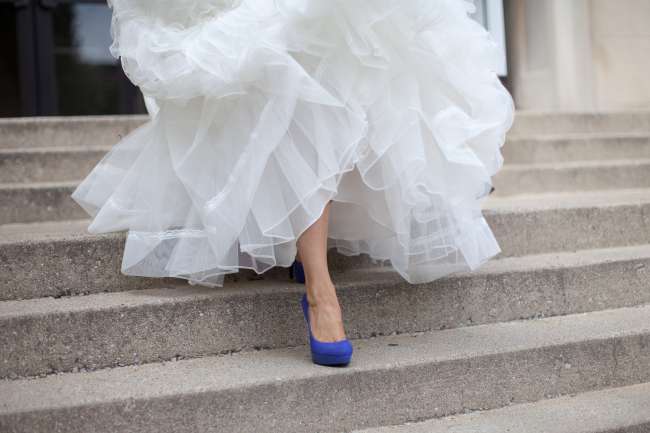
x=330, y=353
x=297, y=272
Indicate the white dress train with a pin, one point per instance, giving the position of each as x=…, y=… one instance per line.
x=262, y=111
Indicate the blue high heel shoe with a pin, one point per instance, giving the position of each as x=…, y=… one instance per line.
x=326, y=352
x=297, y=272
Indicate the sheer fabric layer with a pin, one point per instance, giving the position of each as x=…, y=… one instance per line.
x=265, y=110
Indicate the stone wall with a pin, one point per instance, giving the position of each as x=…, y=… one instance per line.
x=579, y=54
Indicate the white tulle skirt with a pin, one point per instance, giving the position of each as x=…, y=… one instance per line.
x=262, y=111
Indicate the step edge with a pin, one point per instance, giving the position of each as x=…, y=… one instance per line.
x=350, y=280
x=621, y=320
x=635, y=396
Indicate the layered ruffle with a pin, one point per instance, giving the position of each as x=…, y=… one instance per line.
x=269, y=109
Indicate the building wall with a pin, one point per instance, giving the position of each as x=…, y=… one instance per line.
x=579, y=54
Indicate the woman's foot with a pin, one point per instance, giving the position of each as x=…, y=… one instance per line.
x=325, y=313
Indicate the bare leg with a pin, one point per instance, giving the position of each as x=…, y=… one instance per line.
x=324, y=309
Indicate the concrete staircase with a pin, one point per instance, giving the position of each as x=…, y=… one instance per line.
x=553, y=336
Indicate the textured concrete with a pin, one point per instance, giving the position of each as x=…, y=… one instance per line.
x=36, y=132
x=48, y=164
x=582, y=147
x=416, y=376
x=614, y=410
x=554, y=123
x=107, y=130
x=629, y=170
x=61, y=258
x=24, y=133
x=182, y=338
x=58, y=258
x=572, y=176
x=110, y=329
x=539, y=223
x=30, y=202
x=64, y=265
x=51, y=201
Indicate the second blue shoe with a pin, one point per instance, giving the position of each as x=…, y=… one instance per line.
x=326, y=352
x=297, y=272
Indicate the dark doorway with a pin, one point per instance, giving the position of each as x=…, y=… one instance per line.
x=56, y=60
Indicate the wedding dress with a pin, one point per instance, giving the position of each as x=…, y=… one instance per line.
x=262, y=111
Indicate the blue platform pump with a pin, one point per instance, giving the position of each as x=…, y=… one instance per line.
x=326, y=352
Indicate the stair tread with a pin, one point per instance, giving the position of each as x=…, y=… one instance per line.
x=534, y=113
x=72, y=150
x=180, y=292
x=625, y=162
x=587, y=135
x=48, y=150
x=39, y=185
x=43, y=231
x=249, y=369
x=50, y=120
x=35, y=231
x=568, y=200
x=590, y=412
x=554, y=122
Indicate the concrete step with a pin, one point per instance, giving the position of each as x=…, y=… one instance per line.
x=52, y=176
x=42, y=201
x=51, y=201
x=133, y=327
x=612, y=410
x=391, y=380
x=540, y=223
x=21, y=133
x=572, y=176
x=577, y=147
x=624, y=164
x=60, y=258
x=553, y=123
x=48, y=164
x=69, y=131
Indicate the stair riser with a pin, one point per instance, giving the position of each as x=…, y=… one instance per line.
x=47, y=167
x=107, y=130
x=610, y=410
x=528, y=151
x=563, y=123
x=91, y=264
x=60, y=268
x=66, y=131
x=25, y=205
x=643, y=427
x=88, y=265
x=542, y=180
x=535, y=232
x=71, y=166
x=359, y=398
x=194, y=324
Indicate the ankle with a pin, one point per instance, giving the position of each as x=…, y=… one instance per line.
x=321, y=294
x=322, y=301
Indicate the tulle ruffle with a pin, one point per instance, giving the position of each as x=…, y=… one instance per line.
x=268, y=109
